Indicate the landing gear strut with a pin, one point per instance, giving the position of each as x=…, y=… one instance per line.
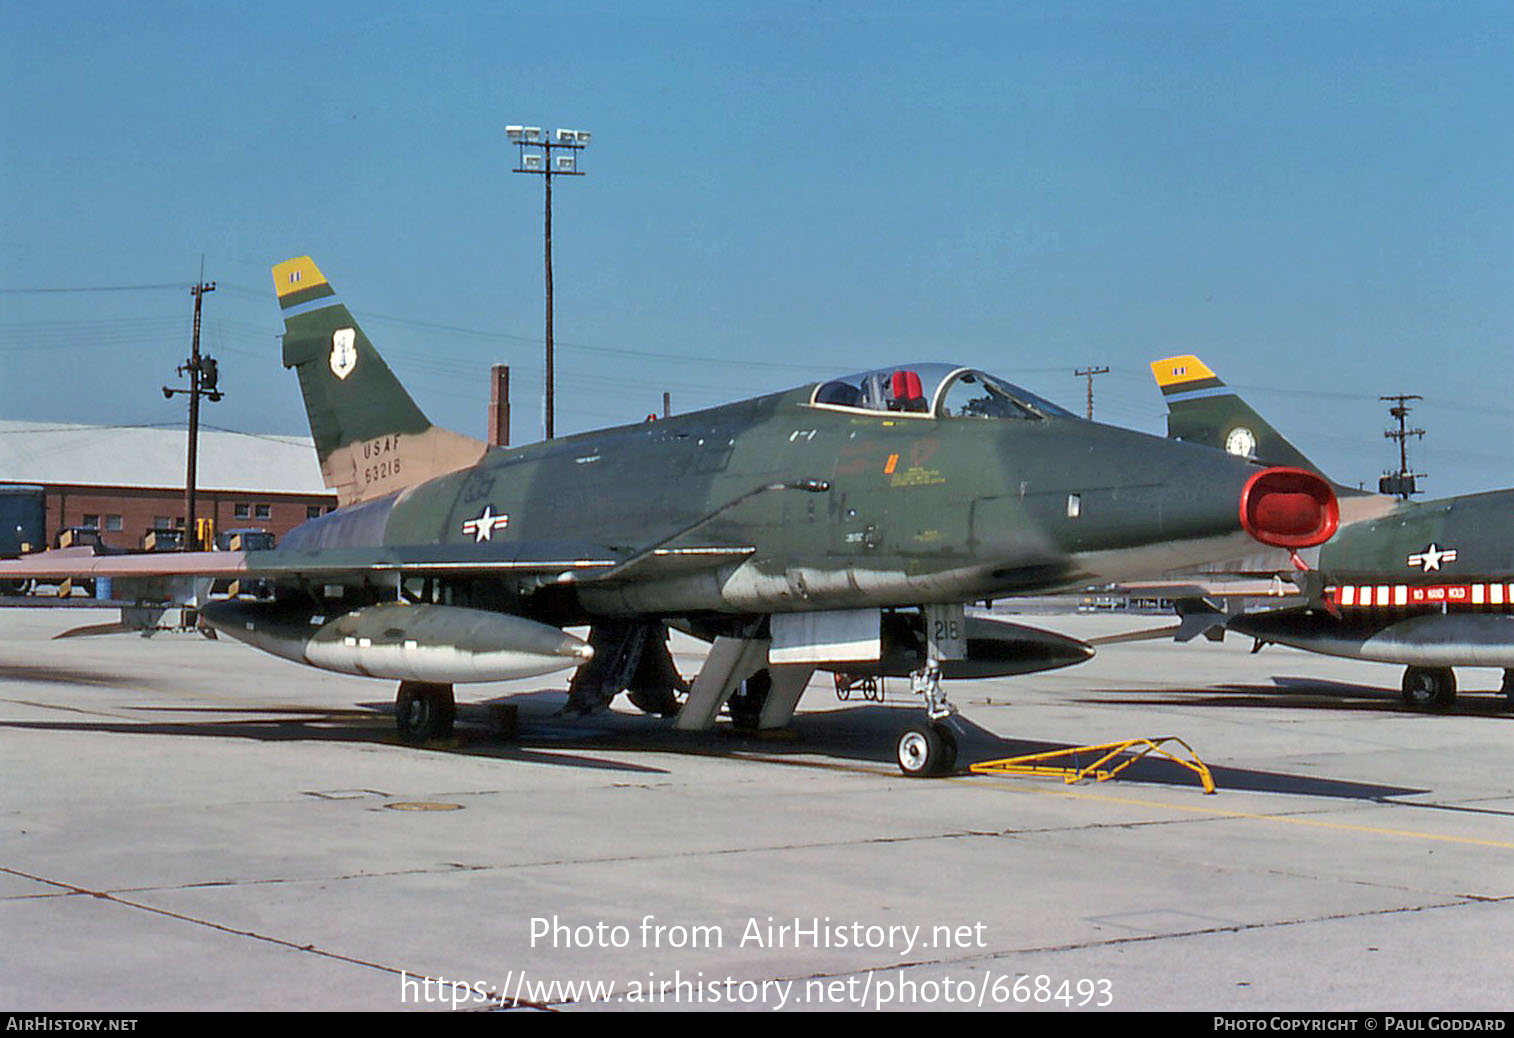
x=424, y=711
x=928, y=749
x=746, y=703
x=629, y=655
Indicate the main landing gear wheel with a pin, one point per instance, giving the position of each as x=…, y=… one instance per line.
x=927, y=750
x=424, y=711
x=746, y=703
x=661, y=701
x=1429, y=688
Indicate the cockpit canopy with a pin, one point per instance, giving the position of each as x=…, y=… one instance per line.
x=933, y=390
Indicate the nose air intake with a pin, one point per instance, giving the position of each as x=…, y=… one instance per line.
x=1289, y=508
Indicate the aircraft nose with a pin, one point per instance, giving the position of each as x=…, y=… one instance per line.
x=1289, y=508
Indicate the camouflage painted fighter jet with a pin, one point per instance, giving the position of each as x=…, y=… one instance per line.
x=840, y=525
x=1427, y=584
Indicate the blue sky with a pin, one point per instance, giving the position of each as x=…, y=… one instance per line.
x=1316, y=198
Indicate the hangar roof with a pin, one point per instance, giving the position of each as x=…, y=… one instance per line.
x=143, y=456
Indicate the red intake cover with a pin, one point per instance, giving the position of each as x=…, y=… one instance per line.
x=1289, y=508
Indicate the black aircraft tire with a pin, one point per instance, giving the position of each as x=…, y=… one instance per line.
x=746, y=703
x=926, y=750
x=1429, y=688
x=949, y=745
x=659, y=701
x=424, y=711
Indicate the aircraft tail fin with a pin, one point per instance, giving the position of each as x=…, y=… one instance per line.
x=370, y=436
x=1202, y=409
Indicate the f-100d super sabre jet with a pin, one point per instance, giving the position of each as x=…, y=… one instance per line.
x=840, y=525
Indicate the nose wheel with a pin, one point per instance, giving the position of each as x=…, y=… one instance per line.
x=927, y=750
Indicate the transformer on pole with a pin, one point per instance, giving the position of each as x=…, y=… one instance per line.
x=1403, y=482
x=204, y=380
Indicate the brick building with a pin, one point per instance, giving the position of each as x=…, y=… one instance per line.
x=127, y=481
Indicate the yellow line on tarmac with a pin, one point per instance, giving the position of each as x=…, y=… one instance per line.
x=1250, y=816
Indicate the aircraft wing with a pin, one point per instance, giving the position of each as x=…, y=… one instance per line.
x=85, y=564
x=559, y=560
x=1218, y=588
x=564, y=561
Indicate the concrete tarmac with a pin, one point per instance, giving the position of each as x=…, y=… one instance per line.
x=189, y=824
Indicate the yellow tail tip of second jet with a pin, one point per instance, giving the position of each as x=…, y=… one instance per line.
x=1174, y=371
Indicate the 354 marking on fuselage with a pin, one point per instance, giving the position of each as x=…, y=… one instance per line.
x=479, y=486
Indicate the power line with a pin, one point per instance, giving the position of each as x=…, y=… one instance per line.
x=176, y=285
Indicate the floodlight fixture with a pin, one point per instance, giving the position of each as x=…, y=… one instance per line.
x=536, y=156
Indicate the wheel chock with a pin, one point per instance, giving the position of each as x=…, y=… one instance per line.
x=1129, y=751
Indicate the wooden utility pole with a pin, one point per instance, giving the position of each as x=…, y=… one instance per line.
x=1402, y=483
x=204, y=380
x=1089, y=373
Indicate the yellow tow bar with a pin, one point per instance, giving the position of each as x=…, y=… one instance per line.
x=1041, y=763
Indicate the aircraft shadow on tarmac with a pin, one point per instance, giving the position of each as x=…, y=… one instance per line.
x=48, y=674
x=849, y=735
x=1304, y=693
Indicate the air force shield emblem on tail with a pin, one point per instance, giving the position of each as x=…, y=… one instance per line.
x=343, y=352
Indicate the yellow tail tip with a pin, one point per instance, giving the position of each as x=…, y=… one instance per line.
x=1174, y=371
x=296, y=275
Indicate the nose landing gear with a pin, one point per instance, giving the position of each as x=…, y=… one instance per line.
x=928, y=749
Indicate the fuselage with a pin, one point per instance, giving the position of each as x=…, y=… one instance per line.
x=922, y=507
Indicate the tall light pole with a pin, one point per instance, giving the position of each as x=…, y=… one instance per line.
x=535, y=151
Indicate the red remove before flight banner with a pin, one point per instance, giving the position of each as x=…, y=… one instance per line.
x=1408, y=596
